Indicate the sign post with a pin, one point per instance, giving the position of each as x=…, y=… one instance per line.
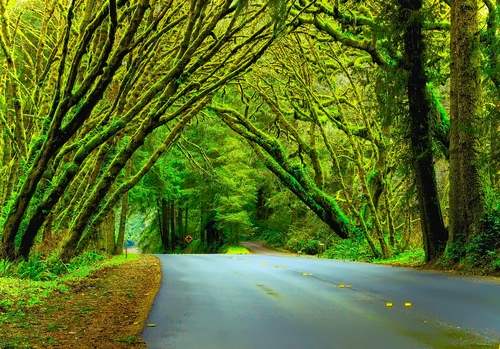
x=321, y=249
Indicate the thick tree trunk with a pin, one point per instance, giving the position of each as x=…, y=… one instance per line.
x=12, y=179
x=203, y=236
x=180, y=228
x=20, y=204
x=168, y=230
x=86, y=176
x=173, y=238
x=123, y=215
x=186, y=221
x=433, y=230
x=100, y=190
x=466, y=190
x=48, y=238
x=109, y=230
x=58, y=134
x=42, y=210
x=263, y=212
x=159, y=216
x=165, y=227
x=212, y=232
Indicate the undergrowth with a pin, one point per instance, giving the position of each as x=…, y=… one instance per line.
x=38, y=269
x=28, y=283
x=482, y=253
x=236, y=250
x=412, y=257
x=348, y=249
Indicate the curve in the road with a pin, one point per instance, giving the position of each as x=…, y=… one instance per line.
x=272, y=302
x=256, y=247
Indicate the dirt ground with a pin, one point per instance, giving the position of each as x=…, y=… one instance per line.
x=105, y=310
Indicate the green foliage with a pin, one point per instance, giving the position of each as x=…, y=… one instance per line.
x=455, y=251
x=85, y=259
x=306, y=246
x=273, y=238
x=196, y=246
x=34, y=269
x=237, y=250
x=18, y=297
x=37, y=269
x=411, y=257
x=127, y=340
x=348, y=249
x=6, y=268
x=483, y=247
x=150, y=239
x=496, y=264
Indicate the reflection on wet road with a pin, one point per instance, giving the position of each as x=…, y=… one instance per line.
x=270, y=302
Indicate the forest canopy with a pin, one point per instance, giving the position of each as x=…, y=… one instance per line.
x=370, y=126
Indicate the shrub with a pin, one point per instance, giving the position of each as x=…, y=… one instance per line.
x=6, y=268
x=481, y=249
x=348, y=249
x=496, y=264
x=273, y=238
x=34, y=269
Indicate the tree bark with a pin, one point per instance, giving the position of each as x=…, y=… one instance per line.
x=165, y=227
x=173, y=238
x=109, y=231
x=186, y=221
x=293, y=176
x=123, y=214
x=88, y=95
x=203, y=213
x=466, y=190
x=180, y=228
x=433, y=231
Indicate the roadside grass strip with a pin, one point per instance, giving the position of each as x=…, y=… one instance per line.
x=237, y=250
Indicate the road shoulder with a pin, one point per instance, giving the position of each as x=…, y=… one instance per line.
x=107, y=309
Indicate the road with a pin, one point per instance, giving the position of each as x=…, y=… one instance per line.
x=266, y=302
x=256, y=247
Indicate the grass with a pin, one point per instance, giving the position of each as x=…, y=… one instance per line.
x=237, y=250
x=410, y=258
x=19, y=295
x=127, y=340
x=86, y=270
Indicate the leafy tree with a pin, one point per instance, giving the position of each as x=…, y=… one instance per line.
x=114, y=68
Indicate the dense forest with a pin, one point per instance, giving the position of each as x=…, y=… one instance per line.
x=369, y=126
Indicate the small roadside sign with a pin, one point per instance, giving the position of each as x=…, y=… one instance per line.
x=188, y=239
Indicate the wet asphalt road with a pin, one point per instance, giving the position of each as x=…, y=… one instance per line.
x=254, y=302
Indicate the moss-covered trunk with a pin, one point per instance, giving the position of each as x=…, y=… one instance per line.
x=434, y=234
x=123, y=214
x=292, y=175
x=165, y=224
x=466, y=191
